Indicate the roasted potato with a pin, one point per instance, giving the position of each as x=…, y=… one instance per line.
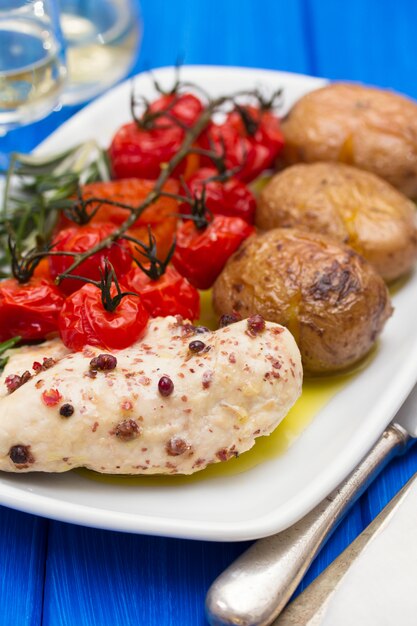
x=374, y=129
x=348, y=204
x=329, y=297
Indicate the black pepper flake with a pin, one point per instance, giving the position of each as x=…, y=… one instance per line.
x=66, y=410
x=165, y=386
x=21, y=455
x=103, y=363
x=256, y=325
x=196, y=346
x=188, y=330
x=229, y=318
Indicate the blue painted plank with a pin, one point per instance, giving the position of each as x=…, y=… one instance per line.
x=245, y=33
x=112, y=579
x=384, y=488
x=107, y=578
x=22, y=565
x=373, y=41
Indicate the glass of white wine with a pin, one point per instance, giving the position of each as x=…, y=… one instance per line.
x=102, y=38
x=32, y=61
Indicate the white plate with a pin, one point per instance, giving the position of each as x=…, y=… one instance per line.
x=276, y=493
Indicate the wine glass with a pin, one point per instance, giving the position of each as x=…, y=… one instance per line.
x=102, y=39
x=32, y=61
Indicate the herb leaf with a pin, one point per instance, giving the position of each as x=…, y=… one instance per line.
x=7, y=345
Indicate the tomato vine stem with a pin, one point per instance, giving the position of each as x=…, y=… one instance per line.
x=191, y=135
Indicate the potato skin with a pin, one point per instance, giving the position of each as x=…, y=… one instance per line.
x=371, y=128
x=351, y=205
x=327, y=295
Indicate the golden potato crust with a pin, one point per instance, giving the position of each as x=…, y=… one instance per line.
x=371, y=128
x=327, y=295
x=351, y=205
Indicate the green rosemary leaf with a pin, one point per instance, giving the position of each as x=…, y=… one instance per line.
x=38, y=187
x=7, y=345
x=10, y=343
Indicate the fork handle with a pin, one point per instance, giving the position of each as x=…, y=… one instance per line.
x=254, y=589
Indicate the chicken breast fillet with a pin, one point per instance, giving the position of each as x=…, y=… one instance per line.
x=113, y=414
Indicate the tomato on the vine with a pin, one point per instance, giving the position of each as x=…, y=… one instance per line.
x=84, y=238
x=170, y=294
x=42, y=270
x=140, y=148
x=262, y=126
x=139, y=153
x=251, y=140
x=201, y=254
x=184, y=107
x=160, y=215
x=84, y=321
x=30, y=310
x=230, y=197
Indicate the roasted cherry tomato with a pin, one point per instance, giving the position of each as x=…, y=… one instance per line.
x=185, y=107
x=42, y=270
x=201, y=254
x=30, y=310
x=160, y=216
x=261, y=126
x=83, y=320
x=81, y=239
x=171, y=294
x=138, y=153
x=252, y=146
x=231, y=197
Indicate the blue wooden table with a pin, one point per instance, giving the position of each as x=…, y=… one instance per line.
x=56, y=574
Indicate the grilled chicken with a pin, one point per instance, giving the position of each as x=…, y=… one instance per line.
x=172, y=403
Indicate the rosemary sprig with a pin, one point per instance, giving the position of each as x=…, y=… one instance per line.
x=7, y=345
x=37, y=188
